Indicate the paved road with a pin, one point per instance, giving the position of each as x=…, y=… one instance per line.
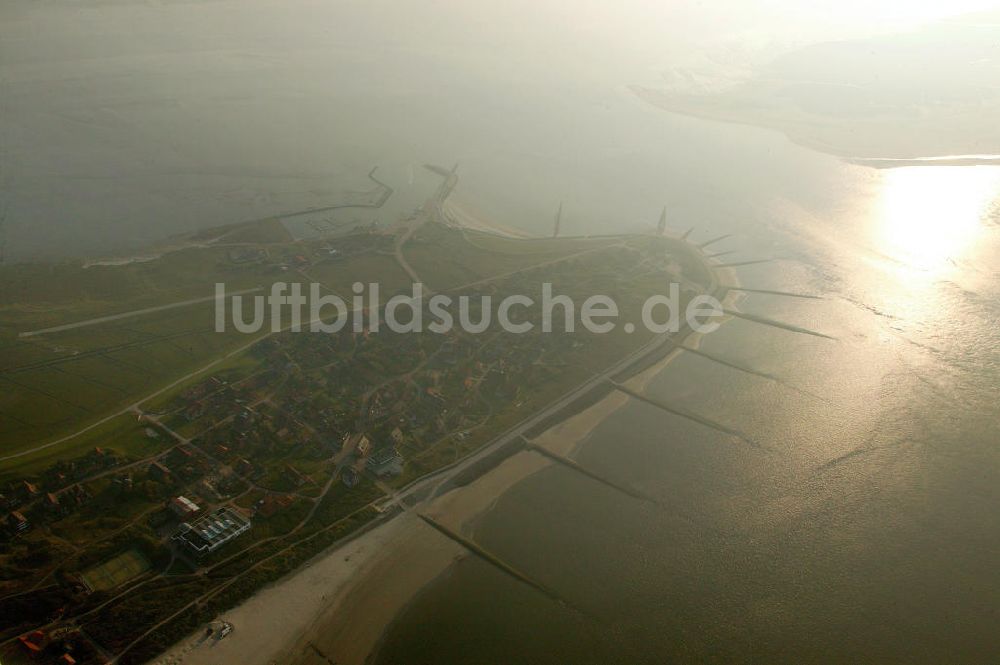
x=432, y=210
x=134, y=406
x=128, y=315
x=432, y=483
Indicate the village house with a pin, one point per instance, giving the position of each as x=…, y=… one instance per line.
x=212, y=531
x=244, y=467
x=52, y=503
x=385, y=461
x=17, y=522
x=183, y=507
x=159, y=472
x=350, y=477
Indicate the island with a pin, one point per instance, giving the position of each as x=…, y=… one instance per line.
x=156, y=472
x=923, y=97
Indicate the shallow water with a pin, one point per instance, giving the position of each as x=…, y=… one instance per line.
x=864, y=531
x=125, y=123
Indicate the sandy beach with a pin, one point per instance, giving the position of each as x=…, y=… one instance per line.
x=337, y=608
x=367, y=608
x=461, y=214
x=278, y=615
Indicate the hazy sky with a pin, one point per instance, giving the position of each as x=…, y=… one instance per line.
x=124, y=122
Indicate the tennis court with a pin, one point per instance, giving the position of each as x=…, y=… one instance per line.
x=116, y=571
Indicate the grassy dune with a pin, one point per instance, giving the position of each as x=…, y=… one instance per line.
x=57, y=383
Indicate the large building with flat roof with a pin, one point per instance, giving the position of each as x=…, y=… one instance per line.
x=385, y=461
x=183, y=506
x=212, y=531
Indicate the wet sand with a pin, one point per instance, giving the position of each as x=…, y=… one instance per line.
x=280, y=614
x=350, y=624
x=338, y=607
x=461, y=214
x=362, y=611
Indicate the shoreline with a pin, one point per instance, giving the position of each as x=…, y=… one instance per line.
x=340, y=605
x=378, y=573
x=396, y=577
x=701, y=108
x=459, y=215
x=462, y=507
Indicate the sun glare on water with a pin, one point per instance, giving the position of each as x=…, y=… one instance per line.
x=931, y=216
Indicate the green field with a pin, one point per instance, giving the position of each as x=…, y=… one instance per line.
x=117, y=571
x=447, y=259
x=54, y=384
x=66, y=394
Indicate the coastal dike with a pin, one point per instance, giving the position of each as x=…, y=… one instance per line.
x=350, y=628
x=339, y=603
x=511, y=442
x=340, y=570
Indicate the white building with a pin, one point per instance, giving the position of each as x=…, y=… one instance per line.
x=212, y=531
x=183, y=506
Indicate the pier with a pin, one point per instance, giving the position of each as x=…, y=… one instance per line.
x=770, y=292
x=683, y=413
x=714, y=240
x=491, y=559
x=573, y=466
x=776, y=324
x=743, y=263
